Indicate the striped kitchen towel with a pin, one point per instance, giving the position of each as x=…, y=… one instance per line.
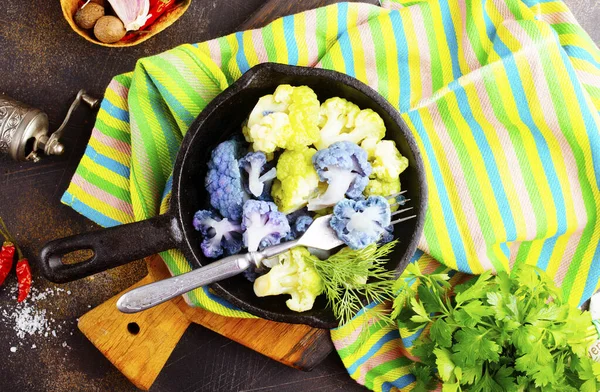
x=502, y=96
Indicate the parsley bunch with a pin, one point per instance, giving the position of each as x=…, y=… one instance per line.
x=497, y=333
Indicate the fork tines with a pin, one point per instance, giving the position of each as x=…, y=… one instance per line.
x=395, y=195
x=400, y=202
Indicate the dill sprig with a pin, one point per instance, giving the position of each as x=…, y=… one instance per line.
x=352, y=278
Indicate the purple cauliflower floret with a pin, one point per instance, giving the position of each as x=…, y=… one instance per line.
x=224, y=181
x=254, y=272
x=220, y=236
x=360, y=223
x=250, y=273
x=345, y=168
x=263, y=224
x=299, y=223
x=387, y=236
x=260, y=175
x=302, y=224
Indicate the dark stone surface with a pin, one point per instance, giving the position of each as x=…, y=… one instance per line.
x=44, y=63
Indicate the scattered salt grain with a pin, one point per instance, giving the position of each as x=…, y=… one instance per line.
x=29, y=319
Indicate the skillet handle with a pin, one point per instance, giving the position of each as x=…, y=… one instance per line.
x=112, y=247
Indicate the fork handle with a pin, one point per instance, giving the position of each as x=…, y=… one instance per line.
x=156, y=293
x=153, y=294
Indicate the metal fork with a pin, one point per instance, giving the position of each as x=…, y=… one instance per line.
x=319, y=235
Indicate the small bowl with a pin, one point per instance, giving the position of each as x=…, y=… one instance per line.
x=69, y=8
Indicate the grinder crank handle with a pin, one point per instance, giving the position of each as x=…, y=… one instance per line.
x=51, y=145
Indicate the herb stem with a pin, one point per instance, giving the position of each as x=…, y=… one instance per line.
x=487, y=325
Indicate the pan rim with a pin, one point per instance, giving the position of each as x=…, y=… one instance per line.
x=194, y=131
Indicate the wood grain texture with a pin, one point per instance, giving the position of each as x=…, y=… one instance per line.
x=295, y=345
x=139, y=355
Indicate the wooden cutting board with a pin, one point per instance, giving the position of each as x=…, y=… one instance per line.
x=140, y=344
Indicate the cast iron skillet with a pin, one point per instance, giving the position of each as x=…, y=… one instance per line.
x=221, y=119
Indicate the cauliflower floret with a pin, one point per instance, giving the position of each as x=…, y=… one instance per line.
x=361, y=223
x=260, y=177
x=296, y=179
x=270, y=133
x=345, y=168
x=369, y=145
x=341, y=120
x=304, y=117
x=286, y=119
x=387, y=164
x=224, y=181
x=381, y=187
x=299, y=221
x=263, y=225
x=220, y=236
x=272, y=103
x=293, y=276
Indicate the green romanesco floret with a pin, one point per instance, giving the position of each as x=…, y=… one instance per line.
x=287, y=119
x=341, y=120
x=294, y=276
x=296, y=181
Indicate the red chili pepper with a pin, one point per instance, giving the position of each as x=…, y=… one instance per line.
x=7, y=254
x=24, y=279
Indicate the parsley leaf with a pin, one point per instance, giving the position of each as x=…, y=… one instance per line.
x=441, y=333
x=425, y=378
x=431, y=301
x=475, y=311
x=444, y=364
x=472, y=346
x=487, y=384
x=421, y=315
x=424, y=350
x=477, y=290
x=505, y=379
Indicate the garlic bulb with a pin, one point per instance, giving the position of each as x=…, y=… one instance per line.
x=133, y=13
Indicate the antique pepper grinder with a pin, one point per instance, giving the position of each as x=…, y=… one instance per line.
x=24, y=131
